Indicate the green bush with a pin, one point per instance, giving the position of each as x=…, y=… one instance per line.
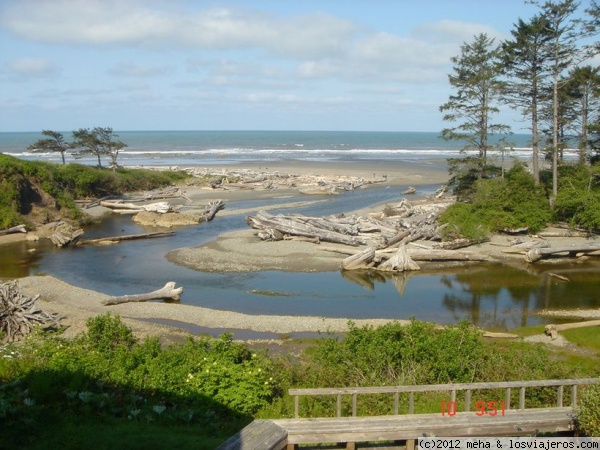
x=66, y=183
x=578, y=200
x=588, y=412
x=498, y=203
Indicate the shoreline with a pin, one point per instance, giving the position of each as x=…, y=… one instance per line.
x=173, y=322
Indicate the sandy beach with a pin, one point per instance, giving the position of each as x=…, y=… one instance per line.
x=238, y=251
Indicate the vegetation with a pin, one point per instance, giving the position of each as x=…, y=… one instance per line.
x=588, y=413
x=105, y=388
x=98, y=142
x=476, y=79
x=496, y=204
x=539, y=72
x=27, y=185
x=54, y=143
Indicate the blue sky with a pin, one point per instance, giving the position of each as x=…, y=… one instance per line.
x=218, y=65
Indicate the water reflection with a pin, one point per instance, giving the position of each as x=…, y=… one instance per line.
x=488, y=295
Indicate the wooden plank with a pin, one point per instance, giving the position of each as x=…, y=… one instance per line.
x=443, y=387
x=361, y=429
x=258, y=435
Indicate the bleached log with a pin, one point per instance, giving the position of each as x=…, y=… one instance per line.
x=523, y=247
x=17, y=229
x=399, y=262
x=361, y=260
x=168, y=291
x=159, y=207
x=535, y=254
x=455, y=244
x=213, y=208
x=295, y=227
x=553, y=329
x=127, y=237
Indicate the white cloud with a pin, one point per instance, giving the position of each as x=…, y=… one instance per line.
x=114, y=22
x=31, y=68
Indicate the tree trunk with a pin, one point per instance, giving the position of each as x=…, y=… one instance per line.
x=212, y=209
x=127, y=237
x=535, y=254
x=168, y=291
x=361, y=260
x=399, y=262
x=17, y=229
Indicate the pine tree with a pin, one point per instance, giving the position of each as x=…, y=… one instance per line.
x=475, y=79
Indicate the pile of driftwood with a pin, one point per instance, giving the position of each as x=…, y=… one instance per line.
x=248, y=179
x=536, y=249
x=172, y=192
x=19, y=314
x=384, y=234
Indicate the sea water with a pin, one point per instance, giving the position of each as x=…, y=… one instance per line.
x=177, y=148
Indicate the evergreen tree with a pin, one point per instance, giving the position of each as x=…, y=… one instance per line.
x=54, y=143
x=582, y=94
x=525, y=58
x=562, y=46
x=98, y=142
x=475, y=79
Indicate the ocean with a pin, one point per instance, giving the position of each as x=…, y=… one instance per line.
x=180, y=148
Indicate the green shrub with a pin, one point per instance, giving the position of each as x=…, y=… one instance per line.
x=578, y=200
x=498, y=203
x=66, y=183
x=588, y=412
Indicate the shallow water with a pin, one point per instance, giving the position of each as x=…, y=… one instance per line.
x=488, y=295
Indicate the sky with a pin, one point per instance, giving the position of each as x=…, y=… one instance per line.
x=376, y=65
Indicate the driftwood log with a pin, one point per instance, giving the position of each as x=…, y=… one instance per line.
x=535, y=254
x=19, y=314
x=159, y=207
x=552, y=329
x=326, y=229
x=127, y=237
x=213, y=208
x=17, y=229
x=167, y=292
x=399, y=262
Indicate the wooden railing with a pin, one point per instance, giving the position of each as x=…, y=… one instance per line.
x=452, y=389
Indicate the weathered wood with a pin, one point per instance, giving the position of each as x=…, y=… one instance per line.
x=553, y=329
x=213, y=208
x=302, y=226
x=19, y=313
x=399, y=262
x=535, y=254
x=258, y=435
x=361, y=260
x=455, y=244
x=524, y=247
x=413, y=426
x=410, y=190
x=159, y=207
x=16, y=229
x=127, y=237
x=168, y=291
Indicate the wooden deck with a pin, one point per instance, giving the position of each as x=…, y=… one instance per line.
x=514, y=421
